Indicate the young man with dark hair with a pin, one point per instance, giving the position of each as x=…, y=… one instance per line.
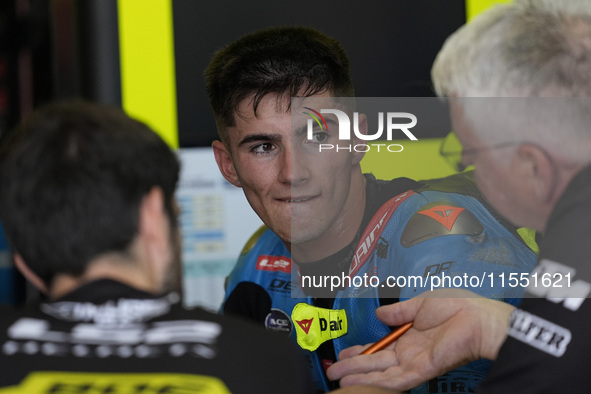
x=87, y=202
x=326, y=217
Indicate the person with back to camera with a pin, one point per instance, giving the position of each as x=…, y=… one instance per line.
x=87, y=202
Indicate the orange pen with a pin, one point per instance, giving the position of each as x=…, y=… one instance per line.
x=388, y=339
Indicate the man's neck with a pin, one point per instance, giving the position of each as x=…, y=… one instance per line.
x=566, y=176
x=124, y=272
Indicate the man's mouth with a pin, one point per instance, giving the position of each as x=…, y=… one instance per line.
x=297, y=199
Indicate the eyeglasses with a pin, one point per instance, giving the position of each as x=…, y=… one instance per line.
x=451, y=150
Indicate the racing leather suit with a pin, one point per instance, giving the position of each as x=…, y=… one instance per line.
x=410, y=230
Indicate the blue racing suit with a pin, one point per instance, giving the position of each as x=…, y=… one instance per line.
x=409, y=244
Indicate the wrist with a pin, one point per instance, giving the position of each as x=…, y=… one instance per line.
x=496, y=316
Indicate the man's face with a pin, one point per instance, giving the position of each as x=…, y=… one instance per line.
x=300, y=193
x=493, y=172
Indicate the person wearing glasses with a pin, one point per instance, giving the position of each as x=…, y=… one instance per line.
x=518, y=79
x=324, y=218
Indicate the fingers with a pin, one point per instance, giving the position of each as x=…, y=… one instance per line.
x=352, y=351
x=379, y=361
x=374, y=379
x=364, y=390
x=436, y=301
x=393, y=378
x=399, y=313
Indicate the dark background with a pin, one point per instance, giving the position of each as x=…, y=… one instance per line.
x=55, y=49
x=391, y=44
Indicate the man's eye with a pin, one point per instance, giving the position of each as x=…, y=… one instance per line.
x=320, y=136
x=263, y=148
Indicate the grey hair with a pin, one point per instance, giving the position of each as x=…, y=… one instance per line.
x=525, y=49
x=530, y=48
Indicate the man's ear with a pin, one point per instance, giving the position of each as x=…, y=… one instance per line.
x=357, y=156
x=29, y=274
x=225, y=163
x=153, y=223
x=153, y=240
x=153, y=248
x=537, y=170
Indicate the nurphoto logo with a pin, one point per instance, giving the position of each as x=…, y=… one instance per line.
x=392, y=122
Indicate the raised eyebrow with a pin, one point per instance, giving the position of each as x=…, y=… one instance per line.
x=304, y=129
x=300, y=130
x=260, y=138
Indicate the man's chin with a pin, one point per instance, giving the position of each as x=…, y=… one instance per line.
x=297, y=236
x=300, y=237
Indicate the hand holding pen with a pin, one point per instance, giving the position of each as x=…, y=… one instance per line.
x=387, y=340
